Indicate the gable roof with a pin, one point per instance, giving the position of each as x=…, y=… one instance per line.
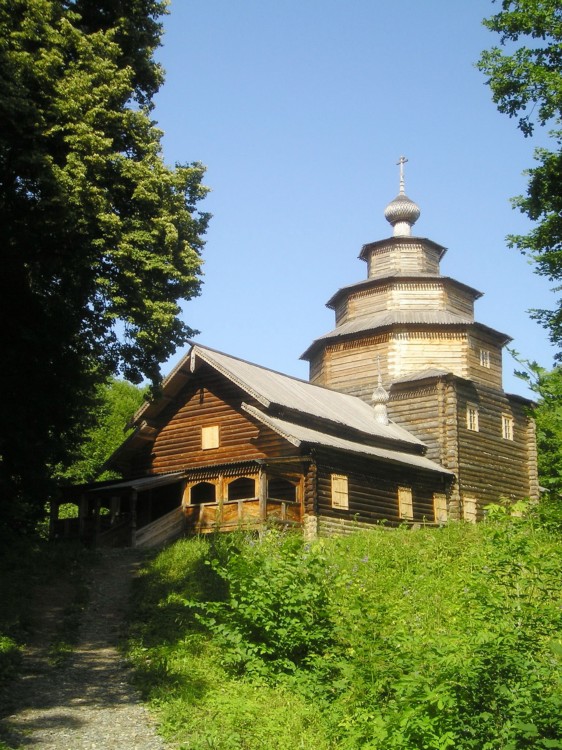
x=302, y=413
x=273, y=389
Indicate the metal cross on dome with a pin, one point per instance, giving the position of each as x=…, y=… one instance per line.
x=401, y=161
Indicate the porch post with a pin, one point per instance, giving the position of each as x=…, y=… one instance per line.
x=134, y=497
x=262, y=494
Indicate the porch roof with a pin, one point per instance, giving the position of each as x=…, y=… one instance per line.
x=142, y=483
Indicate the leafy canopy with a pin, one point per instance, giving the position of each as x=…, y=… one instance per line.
x=117, y=402
x=525, y=77
x=101, y=240
x=547, y=412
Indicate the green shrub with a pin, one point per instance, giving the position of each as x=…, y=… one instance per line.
x=386, y=640
x=273, y=617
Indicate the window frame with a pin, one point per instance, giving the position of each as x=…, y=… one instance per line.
x=440, y=507
x=485, y=358
x=507, y=427
x=339, y=484
x=472, y=418
x=470, y=509
x=405, y=503
x=210, y=437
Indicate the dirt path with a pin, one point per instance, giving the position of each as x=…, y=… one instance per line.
x=89, y=704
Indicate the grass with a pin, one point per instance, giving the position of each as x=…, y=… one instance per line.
x=436, y=638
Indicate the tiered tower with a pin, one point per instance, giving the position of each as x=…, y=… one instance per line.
x=444, y=368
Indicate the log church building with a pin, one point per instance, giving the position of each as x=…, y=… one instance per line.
x=403, y=420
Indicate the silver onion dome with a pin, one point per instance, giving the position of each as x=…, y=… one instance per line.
x=402, y=213
x=402, y=210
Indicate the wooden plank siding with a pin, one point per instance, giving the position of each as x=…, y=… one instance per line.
x=491, y=375
x=351, y=366
x=373, y=489
x=413, y=350
x=438, y=294
x=413, y=256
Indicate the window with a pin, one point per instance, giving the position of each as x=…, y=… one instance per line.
x=340, y=496
x=242, y=488
x=484, y=358
x=281, y=489
x=210, y=437
x=440, y=507
x=203, y=492
x=405, y=503
x=469, y=509
x=472, y=417
x=507, y=427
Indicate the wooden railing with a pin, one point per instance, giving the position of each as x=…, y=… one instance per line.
x=241, y=514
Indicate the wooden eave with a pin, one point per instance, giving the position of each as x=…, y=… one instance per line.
x=307, y=437
x=392, y=241
x=334, y=336
x=337, y=429
x=395, y=279
x=521, y=399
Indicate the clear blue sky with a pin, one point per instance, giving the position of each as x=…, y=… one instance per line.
x=300, y=109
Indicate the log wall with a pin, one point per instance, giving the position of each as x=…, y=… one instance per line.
x=487, y=465
x=373, y=490
x=351, y=366
x=489, y=376
x=492, y=467
x=208, y=400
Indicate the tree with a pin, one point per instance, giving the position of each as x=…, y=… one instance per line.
x=526, y=82
x=117, y=402
x=548, y=417
x=101, y=240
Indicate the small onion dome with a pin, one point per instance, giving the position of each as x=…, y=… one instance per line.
x=380, y=400
x=402, y=213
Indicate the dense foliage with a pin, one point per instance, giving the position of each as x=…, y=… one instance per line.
x=547, y=385
x=386, y=639
x=100, y=239
x=117, y=401
x=525, y=77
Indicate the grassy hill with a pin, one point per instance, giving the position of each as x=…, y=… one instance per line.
x=433, y=638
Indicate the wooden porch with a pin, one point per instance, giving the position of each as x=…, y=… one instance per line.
x=151, y=511
x=248, y=513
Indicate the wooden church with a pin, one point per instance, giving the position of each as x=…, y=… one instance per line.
x=404, y=419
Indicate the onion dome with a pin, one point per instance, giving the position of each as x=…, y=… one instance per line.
x=402, y=213
x=380, y=400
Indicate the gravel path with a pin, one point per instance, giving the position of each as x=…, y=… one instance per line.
x=89, y=704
